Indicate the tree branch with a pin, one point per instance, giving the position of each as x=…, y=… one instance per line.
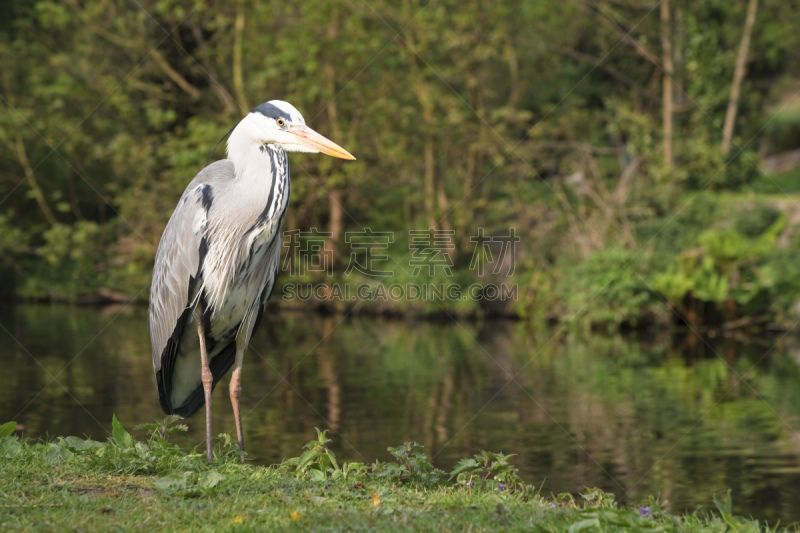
x=31, y=177
x=180, y=81
x=222, y=93
x=666, y=80
x=137, y=45
x=625, y=36
x=738, y=77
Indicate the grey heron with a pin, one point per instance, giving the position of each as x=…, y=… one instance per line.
x=218, y=258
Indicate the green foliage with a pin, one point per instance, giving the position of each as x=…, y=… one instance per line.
x=478, y=115
x=598, y=498
x=412, y=465
x=782, y=267
x=9, y=446
x=674, y=231
x=123, y=454
x=317, y=462
x=715, y=261
x=724, y=270
x=487, y=470
x=606, y=289
x=7, y=429
x=121, y=437
x=189, y=484
x=163, y=429
x=72, y=261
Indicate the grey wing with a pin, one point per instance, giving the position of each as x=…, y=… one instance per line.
x=176, y=270
x=179, y=259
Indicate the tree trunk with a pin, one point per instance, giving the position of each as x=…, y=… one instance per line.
x=423, y=93
x=444, y=205
x=677, y=54
x=335, y=208
x=430, y=184
x=738, y=77
x=666, y=50
x=335, y=196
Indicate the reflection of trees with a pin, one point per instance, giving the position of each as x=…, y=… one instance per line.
x=327, y=368
x=437, y=412
x=653, y=424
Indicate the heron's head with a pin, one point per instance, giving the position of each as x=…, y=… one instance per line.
x=278, y=123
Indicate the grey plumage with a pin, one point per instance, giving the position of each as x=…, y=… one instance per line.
x=211, y=232
x=218, y=259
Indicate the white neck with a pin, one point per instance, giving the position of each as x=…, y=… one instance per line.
x=247, y=155
x=261, y=170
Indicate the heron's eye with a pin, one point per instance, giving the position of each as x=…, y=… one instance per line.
x=280, y=122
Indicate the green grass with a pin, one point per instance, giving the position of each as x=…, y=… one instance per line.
x=72, y=484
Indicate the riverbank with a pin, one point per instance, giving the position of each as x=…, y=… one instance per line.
x=78, y=484
x=722, y=261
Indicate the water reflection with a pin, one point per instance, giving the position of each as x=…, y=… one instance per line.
x=670, y=417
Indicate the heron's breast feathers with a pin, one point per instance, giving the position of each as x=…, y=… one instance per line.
x=237, y=269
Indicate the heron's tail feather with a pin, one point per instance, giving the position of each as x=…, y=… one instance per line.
x=220, y=364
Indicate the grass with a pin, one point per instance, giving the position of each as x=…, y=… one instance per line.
x=73, y=484
x=777, y=184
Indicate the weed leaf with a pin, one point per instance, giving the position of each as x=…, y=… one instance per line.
x=121, y=437
x=175, y=480
x=725, y=506
x=9, y=448
x=210, y=479
x=464, y=465
x=7, y=429
x=78, y=445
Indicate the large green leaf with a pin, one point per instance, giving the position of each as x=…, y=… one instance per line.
x=210, y=479
x=77, y=444
x=7, y=429
x=121, y=437
x=175, y=480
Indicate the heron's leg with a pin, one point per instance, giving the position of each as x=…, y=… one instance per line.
x=207, y=377
x=235, y=389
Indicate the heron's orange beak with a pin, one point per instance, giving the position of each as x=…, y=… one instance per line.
x=310, y=138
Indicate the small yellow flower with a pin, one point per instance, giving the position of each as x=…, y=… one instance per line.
x=295, y=516
x=375, y=500
x=238, y=519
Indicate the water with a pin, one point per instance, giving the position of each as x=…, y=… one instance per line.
x=667, y=415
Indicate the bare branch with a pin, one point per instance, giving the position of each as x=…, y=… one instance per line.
x=738, y=77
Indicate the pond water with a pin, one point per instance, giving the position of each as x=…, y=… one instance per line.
x=668, y=416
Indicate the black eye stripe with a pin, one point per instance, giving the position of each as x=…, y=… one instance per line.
x=271, y=111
